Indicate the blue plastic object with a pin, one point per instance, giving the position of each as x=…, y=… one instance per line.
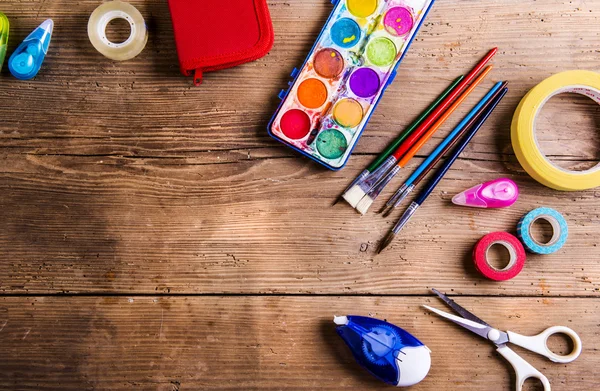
x=388, y=352
x=295, y=74
x=452, y=135
x=27, y=59
x=559, y=226
x=462, y=144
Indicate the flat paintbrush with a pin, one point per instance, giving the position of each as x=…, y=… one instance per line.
x=431, y=185
x=366, y=202
x=358, y=191
x=393, y=146
x=441, y=150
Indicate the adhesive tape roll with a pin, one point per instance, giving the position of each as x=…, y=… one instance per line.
x=523, y=131
x=108, y=12
x=515, y=251
x=559, y=227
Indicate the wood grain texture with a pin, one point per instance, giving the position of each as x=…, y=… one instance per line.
x=121, y=181
x=124, y=177
x=266, y=343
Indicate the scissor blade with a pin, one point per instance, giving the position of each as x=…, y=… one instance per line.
x=459, y=310
x=477, y=328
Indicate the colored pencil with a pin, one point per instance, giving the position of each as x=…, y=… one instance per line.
x=366, y=202
x=431, y=185
x=358, y=191
x=394, y=145
x=427, y=165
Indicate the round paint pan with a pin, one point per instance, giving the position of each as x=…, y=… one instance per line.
x=361, y=8
x=348, y=113
x=295, y=124
x=345, y=33
x=364, y=82
x=398, y=21
x=312, y=93
x=381, y=52
x=331, y=143
x=328, y=63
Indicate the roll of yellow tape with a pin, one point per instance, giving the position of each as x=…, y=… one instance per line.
x=103, y=15
x=524, y=140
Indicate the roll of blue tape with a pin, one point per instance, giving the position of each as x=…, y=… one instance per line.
x=559, y=227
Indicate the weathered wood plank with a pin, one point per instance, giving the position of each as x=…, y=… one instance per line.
x=144, y=107
x=265, y=343
x=124, y=177
x=106, y=224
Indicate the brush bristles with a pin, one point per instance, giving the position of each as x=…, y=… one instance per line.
x=383, y=210
x=388, y=211
x=386, y=242
x=362, y=187
x=354, y=195
x=392, y=201
x=364, y=204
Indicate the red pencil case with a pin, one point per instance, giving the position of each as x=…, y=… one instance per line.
x=214, y=34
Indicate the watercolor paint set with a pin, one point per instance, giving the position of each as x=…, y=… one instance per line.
x=324, y=112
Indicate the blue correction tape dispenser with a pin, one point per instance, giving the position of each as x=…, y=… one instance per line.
x=388, y=352
x=27, y=59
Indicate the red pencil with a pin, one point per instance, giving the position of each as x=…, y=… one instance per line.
x=416, y=135
x=366, y=202
x=355, y=194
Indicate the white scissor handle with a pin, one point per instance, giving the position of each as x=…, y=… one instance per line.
x=523, y=370
x=539, y=343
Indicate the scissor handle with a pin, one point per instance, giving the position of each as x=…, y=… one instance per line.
x=539, y=343
x=523, y=370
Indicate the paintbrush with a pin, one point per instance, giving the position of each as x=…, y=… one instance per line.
x=366, y=202
x=412, y=209
x=394, y=145
x=448, y=143
x=358, y=191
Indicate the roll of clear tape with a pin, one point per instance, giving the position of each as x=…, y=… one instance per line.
x=524, y=139
x=108, y=12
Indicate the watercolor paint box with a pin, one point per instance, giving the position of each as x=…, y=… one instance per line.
x=324, y=112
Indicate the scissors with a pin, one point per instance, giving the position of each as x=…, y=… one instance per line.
x=537, y=344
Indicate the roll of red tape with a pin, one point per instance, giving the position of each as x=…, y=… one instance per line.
x=515, y=250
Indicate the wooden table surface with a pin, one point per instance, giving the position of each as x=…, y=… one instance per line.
x=153, y=236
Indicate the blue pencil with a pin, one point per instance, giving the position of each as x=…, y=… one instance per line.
x=441, y=150
x=431, y=185
x=456, y=132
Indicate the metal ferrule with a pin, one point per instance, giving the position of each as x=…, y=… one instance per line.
x=410, y=211
x=403, y=196
x=376, y=175
x=359, y=178
x=397, y=194
x=379, y=186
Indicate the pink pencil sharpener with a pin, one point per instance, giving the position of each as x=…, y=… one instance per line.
x=500, y=193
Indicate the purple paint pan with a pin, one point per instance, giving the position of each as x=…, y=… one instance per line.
x=365, y=82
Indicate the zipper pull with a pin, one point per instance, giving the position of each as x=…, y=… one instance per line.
x=198, y=77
